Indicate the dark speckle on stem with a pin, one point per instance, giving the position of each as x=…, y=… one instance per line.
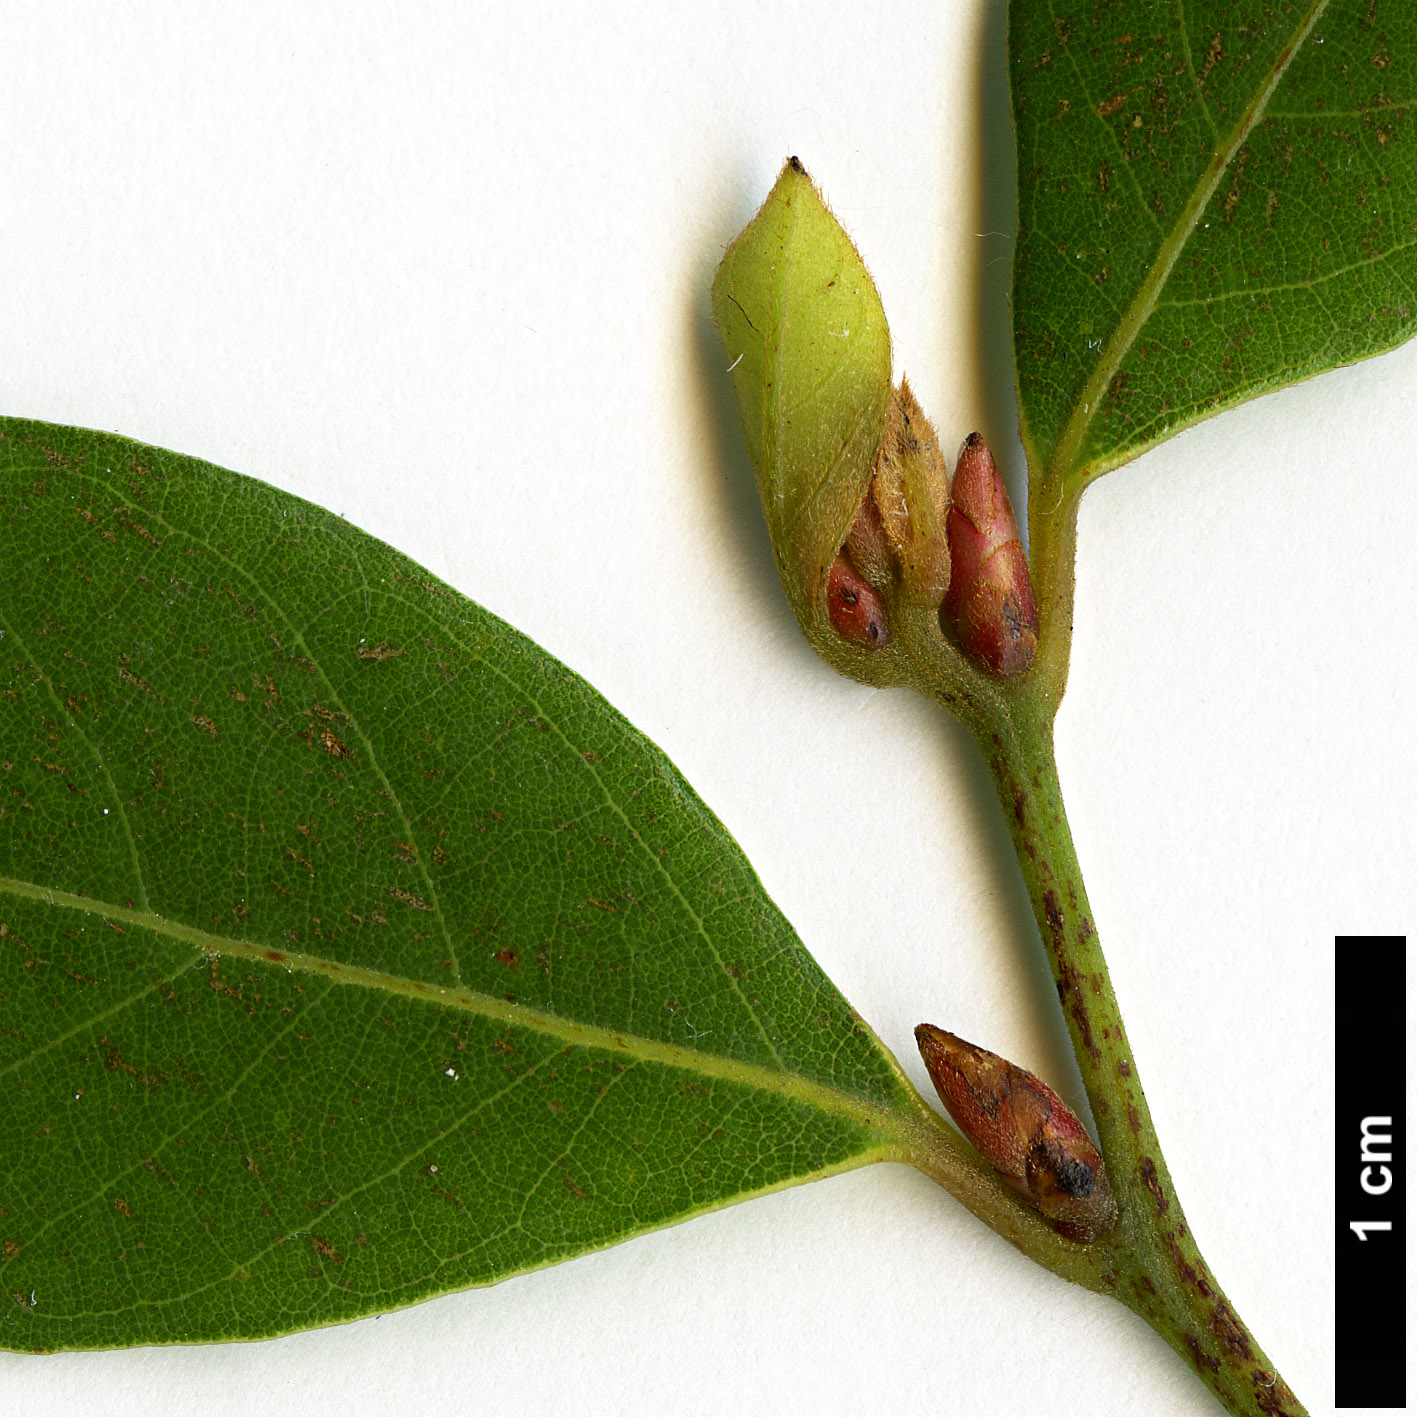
x=1070, y=992
x=1199, y=1357
x=1153, y=1183
x=1054, y=915
x=1233, y=1338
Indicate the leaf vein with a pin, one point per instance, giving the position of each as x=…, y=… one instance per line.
x=63, y=710
x=319, y=669
x=1069, y=445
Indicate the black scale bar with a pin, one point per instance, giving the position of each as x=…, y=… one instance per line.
x=1370, y=1170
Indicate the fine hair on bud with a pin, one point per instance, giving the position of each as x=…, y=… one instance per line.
x=911, y=492
x=1025, y=1131
x=990, y=608
x=867, y=547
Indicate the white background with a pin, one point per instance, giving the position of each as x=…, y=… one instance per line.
x=444, y=269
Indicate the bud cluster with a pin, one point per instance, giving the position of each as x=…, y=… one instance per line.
x=1025, y=1131
x=952, y=546
x=865, y=527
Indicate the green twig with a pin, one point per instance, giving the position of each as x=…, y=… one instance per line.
x=1150, y=1262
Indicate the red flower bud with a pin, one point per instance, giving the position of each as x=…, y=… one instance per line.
x=990, y=605
x=1025, y=1131
x=853, y=607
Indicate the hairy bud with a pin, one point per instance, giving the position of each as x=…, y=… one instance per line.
x=1025, y=1131
x=990, y=606
x=868, y=548
x=896, y=541
x=911, y=491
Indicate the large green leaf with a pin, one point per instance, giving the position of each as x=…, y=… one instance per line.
x=351, y=949
x=1216, y=199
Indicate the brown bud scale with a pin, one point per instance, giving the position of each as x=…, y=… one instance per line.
x=911, y=491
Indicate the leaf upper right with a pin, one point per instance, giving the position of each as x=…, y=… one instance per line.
x=1215, y=200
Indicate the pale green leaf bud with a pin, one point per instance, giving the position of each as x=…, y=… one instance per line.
x=811, y=358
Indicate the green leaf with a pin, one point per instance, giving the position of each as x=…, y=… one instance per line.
x=351, y=949
x=1215, y=199
x=811, y=357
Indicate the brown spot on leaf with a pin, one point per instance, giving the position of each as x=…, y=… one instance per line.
x=205, y=724
x=114, y=1061
x=128, y=677
x=1213, y=56
x=510, y=958
x=415, y=902
x=333, y=744
x=326, y=1250
x=1109, y=106
x=379, y=652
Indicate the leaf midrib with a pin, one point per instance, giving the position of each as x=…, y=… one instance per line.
x=1061, y=465
x=891, y=1124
